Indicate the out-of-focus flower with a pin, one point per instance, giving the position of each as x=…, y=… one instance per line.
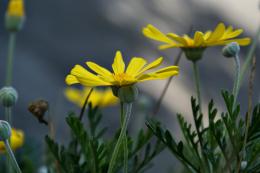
x=15, y=15
x=16, y=8
x=98, y=97
x=16, y=140
x=194, y=47
x=134, y=73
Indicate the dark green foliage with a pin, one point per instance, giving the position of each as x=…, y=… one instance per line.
x=89, y=151
x=217, y=147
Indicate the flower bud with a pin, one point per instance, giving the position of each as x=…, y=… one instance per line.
x=193, y=54
x=128, y=94
x=243, y=165
x=8, y=96
x=5, y=130
x=15, y=17
x=231, y=50
x=38, y=108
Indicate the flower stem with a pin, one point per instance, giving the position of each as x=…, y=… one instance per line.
x=249, y=56
x=127, y=107
x=85, y=104
x=8, y=115
x=12, y=157
x=237, y=80
x=159, y=102
x=248, y=115
x=197, y=82
x=10, y=57
x=8, y=118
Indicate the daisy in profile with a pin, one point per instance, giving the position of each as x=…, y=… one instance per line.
x=137, y=71
x=122, y=80
x=193, y=46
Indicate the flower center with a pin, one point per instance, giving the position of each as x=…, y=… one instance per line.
x=124, y=79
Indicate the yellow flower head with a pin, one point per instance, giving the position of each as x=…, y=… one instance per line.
x=222, y=35
x=135, y=72
x=98, y=97
x=15, y=8
x=16, y=140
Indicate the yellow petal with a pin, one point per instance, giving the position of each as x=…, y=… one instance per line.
x=233, y=34
x=217, y=33
x=167, y=46
x=207, y=35
x=152, y=65
x=70, y=79
x=153, y=33
x=229, y=30
x=240, y=41
x=190, y=41
x=177, y=38
x=160, y=74
x=86, y=78
x=198, y=39
x=135, y=65
x=104, y=73
x=118, y=65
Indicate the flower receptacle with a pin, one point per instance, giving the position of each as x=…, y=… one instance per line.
x=193, y=54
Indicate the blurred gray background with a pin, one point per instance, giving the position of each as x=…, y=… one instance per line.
x=59, y=34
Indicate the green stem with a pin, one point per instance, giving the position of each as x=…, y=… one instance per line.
x=197, y=82
x=10, y=57
x=12, y=157
x=126, y=117
x=125, y=154
x=237, y=80
x=159, y=102
x=249, y=57
x=8, y=115
x=8, y=118
x=125, y=165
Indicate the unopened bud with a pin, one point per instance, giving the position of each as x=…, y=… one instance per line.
x=15, y=17
x=231, y=50
x=5, y=130
x=8, y=96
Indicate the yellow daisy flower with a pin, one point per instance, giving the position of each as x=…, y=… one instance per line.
x=16, y=140
x=15, y=8
x=222, y=35
x=135, y=72
x=98, y=97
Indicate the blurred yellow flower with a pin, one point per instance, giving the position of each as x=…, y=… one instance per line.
x=222, y=35
x=16, y=140
x=15, y=8
x=135, y=72
x=98, y=97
